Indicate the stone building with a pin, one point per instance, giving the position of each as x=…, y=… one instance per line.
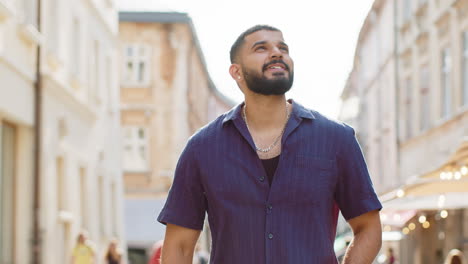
x=410, y=78
x=79, y=176
x=166, y=95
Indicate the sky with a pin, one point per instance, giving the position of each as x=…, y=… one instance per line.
x=321, y=35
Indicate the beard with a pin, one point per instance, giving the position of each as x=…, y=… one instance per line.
x=260, y=84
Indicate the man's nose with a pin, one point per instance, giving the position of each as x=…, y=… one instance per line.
x=276, y=53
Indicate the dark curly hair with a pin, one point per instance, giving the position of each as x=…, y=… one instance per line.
x=240, y=40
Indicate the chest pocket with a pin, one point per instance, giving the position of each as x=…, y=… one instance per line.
x=311, y=181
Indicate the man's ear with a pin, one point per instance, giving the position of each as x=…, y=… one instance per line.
x=235, y=72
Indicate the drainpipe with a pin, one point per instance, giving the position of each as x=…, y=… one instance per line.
x=36, y=250
x=397, y=90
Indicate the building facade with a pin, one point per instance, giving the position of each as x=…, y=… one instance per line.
x=410, y=76
x=166, y=95
x=80, y=180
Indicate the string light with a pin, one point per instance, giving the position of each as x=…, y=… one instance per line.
x=426, y=224
x=443, y=214
x=455, y=174
x=422, y=219
x=464, y=170
x=441, y=201
x=405, y=231
x=442, y=176
x=400, y=193
x=449, y=175
x=412, y=226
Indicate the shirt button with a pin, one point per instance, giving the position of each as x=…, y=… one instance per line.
x=270, y=236
x=262, y=178
x=269, y=208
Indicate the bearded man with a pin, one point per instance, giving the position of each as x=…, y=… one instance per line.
x=271, y=174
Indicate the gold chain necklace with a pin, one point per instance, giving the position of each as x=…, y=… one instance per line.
x=265, y=150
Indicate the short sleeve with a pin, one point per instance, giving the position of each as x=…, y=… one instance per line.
x=354, y=194
x=186, y=203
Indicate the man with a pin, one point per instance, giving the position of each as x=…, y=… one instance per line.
x=271, y=174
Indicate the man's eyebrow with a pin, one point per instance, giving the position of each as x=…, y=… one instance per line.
x=284, y=44
x=259, y=43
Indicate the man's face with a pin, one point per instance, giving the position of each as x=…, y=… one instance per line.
x=265, y=63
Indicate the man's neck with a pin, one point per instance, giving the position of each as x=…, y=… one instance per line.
x=266, y=112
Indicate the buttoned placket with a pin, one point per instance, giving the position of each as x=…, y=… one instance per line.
x=292, y=124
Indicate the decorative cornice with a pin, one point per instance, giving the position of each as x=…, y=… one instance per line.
x=30, y=34
x=64, y=93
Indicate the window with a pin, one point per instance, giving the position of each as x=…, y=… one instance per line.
x=52, y=30
x=96, y=67
x=135, y=153
x=60, y=184
x=136, y=65
x=406, y=10
x=114, y=214
x=30, y=12
x=425, y=106
x=408, y=108
x=465, y=69
x=109, y=84
x=102, y=205
x=446, y=94
x=7, y=170
x=83, y=199
x=75, y=48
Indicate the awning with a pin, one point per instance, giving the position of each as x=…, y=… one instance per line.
x=429, y=202
x=445, y=187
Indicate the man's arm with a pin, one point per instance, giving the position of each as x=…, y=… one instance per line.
x=179, y=244
x=367, y=239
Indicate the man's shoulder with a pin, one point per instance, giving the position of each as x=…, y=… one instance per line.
x=330, y=123
x=210, y=131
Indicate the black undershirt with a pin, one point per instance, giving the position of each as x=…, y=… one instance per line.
x=270, y=166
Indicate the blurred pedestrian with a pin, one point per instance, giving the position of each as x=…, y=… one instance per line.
x=455, y=256
x=113, y=254
x=83, y=252
x=156, y=253
x=391, y=257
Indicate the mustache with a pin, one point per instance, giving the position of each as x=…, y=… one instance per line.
x=265, y=66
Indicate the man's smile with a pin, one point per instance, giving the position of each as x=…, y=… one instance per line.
x=276, y=67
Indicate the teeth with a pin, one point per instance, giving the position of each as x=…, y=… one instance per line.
x=275, y=67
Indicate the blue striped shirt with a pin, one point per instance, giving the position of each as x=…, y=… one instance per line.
x=321, y=171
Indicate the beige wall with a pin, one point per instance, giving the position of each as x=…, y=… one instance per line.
x=442, y=27
x=172, y=106
x=80, y=123
x=398, y=149
x=372, y=81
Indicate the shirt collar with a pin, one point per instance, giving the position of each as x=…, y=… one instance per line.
x=298, y=111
